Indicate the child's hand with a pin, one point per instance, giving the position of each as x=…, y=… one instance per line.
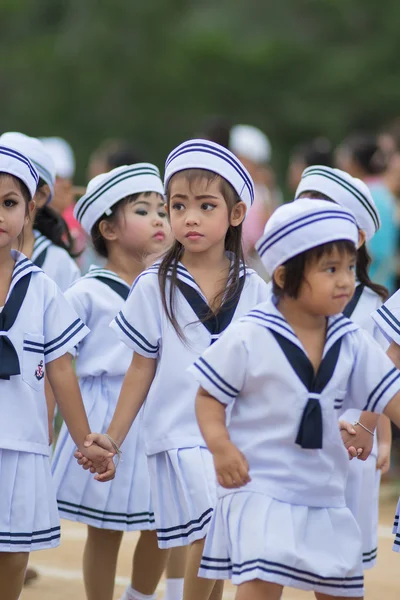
x=100, y=461
x=383, y=461
x=362, y=441
x=231, y=466
x=347, y=432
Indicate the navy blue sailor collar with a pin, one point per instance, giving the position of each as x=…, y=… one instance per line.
x=268, y=316
x=22, y=267
x=40, y=245
x=111, y=279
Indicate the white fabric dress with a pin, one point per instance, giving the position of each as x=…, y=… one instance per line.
x=46, y=328
x=182, y=476
x=290, y=525
x=102, y=361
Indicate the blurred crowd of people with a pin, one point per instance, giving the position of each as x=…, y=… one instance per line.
x=373, y=158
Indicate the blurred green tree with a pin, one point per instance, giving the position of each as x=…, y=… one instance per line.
x=153, y=70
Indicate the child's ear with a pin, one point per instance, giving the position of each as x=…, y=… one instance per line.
x=361, y=238
x=107, y=230
x=279, y=277
x=238, y=214
x=30, y=211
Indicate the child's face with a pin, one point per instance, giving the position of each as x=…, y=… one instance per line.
x=13, y=211
x=198, y=213
x=328, y=284
x=143, y=227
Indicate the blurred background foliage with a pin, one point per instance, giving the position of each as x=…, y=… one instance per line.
x=152, y=71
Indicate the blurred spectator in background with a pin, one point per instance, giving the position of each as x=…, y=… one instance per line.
x=111, y=154
x=361, y=156
x=315, y=152
x=218, y=130
x=253, y=148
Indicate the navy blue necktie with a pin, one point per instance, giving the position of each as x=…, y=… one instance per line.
x=9, y=361
x=310, y=432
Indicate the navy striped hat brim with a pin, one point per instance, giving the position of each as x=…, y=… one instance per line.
x=348, y=186
x=219, y=152
x=276, y=236
x=23, y=159
x=86, y=201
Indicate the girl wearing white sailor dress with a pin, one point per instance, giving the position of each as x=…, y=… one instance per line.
x=362, y=490
x=124, y=213
x=175, y=310
x=281, y=518
x=46, y=240
x=387, y=318
x=37, y=328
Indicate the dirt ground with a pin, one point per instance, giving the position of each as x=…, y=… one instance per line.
x=61, y=578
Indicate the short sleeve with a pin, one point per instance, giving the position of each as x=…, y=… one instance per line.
x=221, y=369
x=74, y=297
x=387, y=317
x=374, y=380
x=63, y=329
x=138, y=324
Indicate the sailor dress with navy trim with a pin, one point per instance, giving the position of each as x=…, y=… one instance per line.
x=124, y=503
x=290, y=525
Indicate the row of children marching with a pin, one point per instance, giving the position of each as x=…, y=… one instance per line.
x=223, y=393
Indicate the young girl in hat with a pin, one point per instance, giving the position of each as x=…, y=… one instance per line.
x=175, y=310
x=281, y=518
x=123, y=212
x=37, y=328
x=46, y=240
x=362, y=490
x=387, y=318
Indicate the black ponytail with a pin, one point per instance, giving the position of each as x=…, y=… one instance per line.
x=362, y=271
x=52, y=225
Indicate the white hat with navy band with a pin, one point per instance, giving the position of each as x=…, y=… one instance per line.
x=302, y=225
x=203, y=154
x=37, y=154
x=14, y=163
x=349, y=192
x=107, y=189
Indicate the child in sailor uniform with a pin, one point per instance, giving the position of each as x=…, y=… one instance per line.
x=362, y=489
x=124, y=213
x=175, y=310
x=387, y=318
x=47, y=241
x=37, y=328
x=281, y=517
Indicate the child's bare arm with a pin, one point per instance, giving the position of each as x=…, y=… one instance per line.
x=230, y=464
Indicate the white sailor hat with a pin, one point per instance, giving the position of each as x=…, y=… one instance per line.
x=203, y=154
x=302, y=225
x=17, y=164
x=342, y=188
x=107, y=189
x=37, y=154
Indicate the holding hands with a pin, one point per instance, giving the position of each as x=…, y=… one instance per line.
x=97, y=454
x=357, y=440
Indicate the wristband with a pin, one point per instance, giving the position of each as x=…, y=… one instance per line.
x=363, y=426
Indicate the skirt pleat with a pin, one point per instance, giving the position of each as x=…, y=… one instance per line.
x=183, y=485
x=122, y=504
x=29, y=517
x=253, y=536
x=362, y=498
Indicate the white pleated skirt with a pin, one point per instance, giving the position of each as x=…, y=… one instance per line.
x=123, y=504
x=253, y=536
x=396, y=529
x=183, y=486
x=29, y=517
x=362, y=498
